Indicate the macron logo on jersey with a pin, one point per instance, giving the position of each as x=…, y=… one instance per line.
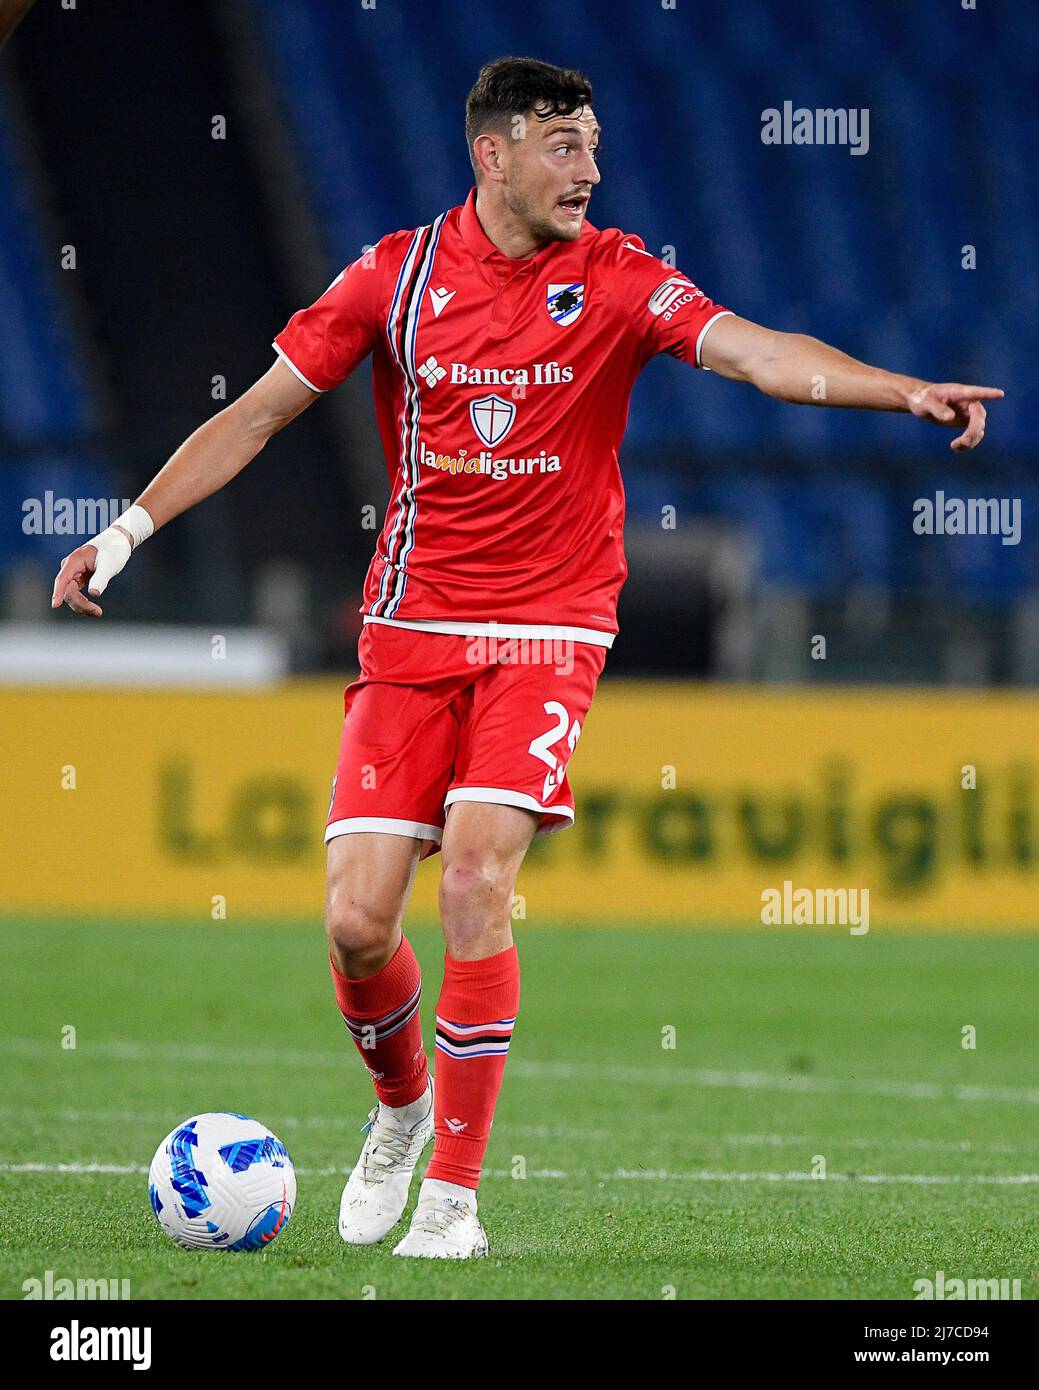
x=440, y=299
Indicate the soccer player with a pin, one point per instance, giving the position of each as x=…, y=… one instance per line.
x=506, y=336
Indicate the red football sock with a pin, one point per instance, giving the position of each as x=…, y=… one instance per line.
x=475, y=1014
x=382, y=1015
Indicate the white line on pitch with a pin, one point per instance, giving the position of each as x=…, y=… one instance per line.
x=521, y=1069
x=619, y=1174
x=927, y=1179
x=691, y=1135
x=349, y=1123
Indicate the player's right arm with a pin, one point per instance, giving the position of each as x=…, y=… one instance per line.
x=204, y=463
x=319, y=347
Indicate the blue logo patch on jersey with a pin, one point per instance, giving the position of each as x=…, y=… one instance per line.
x=565, y=303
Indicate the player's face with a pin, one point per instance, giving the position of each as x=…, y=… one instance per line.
x=551, y=173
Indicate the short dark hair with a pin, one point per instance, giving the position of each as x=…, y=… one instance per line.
x=511, y=87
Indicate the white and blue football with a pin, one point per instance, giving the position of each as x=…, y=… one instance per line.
x=222, y=1182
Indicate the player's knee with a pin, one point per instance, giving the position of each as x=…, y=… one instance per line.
x=473, y=890
x=360, y=938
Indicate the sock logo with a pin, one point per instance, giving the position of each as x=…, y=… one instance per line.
x=456, y=1126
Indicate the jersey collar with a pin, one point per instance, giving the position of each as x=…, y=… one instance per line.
x=484, y=249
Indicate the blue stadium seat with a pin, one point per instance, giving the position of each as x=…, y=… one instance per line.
x=44, y=392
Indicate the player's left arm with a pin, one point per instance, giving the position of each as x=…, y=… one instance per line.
x=795, y=367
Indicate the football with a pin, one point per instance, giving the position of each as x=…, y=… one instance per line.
x=222, y=1181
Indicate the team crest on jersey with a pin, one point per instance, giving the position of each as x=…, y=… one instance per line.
x=492, y=418
x=565, y=303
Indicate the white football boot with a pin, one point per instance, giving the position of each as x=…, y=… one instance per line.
x=444, y=1225
x=376, y=1192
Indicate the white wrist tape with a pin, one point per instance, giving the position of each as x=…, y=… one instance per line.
x=138, y=522
x=113, y=549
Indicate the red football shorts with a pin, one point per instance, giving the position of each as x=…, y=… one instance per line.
x=437, y=718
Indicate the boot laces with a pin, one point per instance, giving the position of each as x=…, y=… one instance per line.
x=439, y=1217
x=387, y=1150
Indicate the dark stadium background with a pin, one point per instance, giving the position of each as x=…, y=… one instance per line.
x=344, y=123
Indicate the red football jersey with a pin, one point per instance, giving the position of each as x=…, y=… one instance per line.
x=501, y=392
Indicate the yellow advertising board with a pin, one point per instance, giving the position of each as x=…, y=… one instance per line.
x=692, y=802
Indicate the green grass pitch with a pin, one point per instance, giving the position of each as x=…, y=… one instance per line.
x=651, y=1171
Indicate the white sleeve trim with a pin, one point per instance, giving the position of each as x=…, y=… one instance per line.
x=296, y=371
x=721, y=314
